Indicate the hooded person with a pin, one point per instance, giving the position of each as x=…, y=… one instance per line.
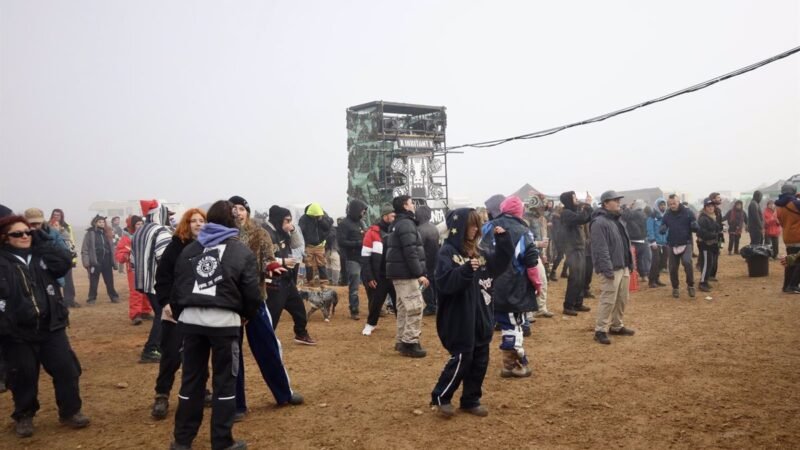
x=430, y=242
x=657, y=242
x=138, y=305
x=464, y=273
x=315, y=225
x=373, y=267
x=515, y=289
x=349, y=237
x=755, y=219
x=97, y=257
x=493, y=205
x=216, y=287
x=636, y=223
x=282, y=274
x=572, y=236
x=147, y=245
x=788, y=212
x=736, y=218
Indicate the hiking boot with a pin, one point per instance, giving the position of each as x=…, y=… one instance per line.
x=412, y=350
x=513, y=367
x=238, y=445
x=583, y=308
x=91, y=302
x=570, y=312
x=77, y=420
x=305, y=340
x=24, y=427
x=176, y=446
x=367, y=331
x=239, y=416
x=479, y=411
x=588, y=295
x=622, y=331
x=602, y=338
x=114, y=299
x=150, y=357
x=160, y=407
x=447, y=411
x=137, y=320
x=73, y=304
x=208, y=399
x=676, y=293
x=704, y=287
x=691, y=291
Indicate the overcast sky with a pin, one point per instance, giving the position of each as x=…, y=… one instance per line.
x=192, y=101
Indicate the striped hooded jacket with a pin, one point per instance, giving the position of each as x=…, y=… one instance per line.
x=148, y=244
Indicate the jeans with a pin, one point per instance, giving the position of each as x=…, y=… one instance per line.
x=353, y=281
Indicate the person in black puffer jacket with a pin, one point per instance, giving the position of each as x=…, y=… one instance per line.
x=33, y=321
x=349, y=236
x=464, y=318
x=405, y=266
x=430, y=242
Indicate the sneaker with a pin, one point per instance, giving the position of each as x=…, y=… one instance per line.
x=367, y=331
x=660, y=284
x=137, y=320
x=479, y=411
x=412, y=350
x=791, y=290
x=676, y=293
x=24, y=427
x=238, y=445
x=447, y=411
x=114, y=299
x=148, y=357
x=583, y=308
x=305, y=340
x=160, y=407
x=570, y=312
x=354, y=316
x=705, y=287
x=296, y=399
x=602, y=338
x=73, y=304
x=77, y=420
x=691, y=291
x=622, y=331
x=545, y=314
x=239, y=416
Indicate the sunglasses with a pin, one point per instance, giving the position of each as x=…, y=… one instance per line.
x=19, y=234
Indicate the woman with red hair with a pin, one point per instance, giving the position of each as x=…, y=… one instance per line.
x=138, y=306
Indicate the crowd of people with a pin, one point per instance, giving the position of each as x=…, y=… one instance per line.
x=209, y=278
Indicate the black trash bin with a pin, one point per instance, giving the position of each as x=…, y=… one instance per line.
x=757, y=257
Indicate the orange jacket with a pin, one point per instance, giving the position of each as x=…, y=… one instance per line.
x=789, y=218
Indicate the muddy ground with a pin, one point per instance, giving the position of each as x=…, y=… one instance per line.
x=720, y=373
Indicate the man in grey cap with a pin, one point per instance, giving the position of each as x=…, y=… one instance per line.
x=612, y=259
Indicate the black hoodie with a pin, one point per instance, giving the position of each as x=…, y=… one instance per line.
x=465, y=316
x=430, y=237
x=349, y=234
x=281, y=243
x=755, y=217
x=573, y=217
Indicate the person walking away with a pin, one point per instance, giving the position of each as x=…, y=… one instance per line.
x=707, y=242
x=349, y=237
x=315, y=225
x=736, y=218
x=147, y=246
x=612, y=259
x=788, y=212
x=373, y=268
x=96, y=256
x=216, y=283
x=138, y=306
x=430, y=242
x=755, y=220
x=464, y=319
x=573, y=217
x=405, y=266
x=33, y=324
x=679, y=223
x=772, y=228
x=657, y=242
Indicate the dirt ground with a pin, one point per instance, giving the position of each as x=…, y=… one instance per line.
x=720, y=373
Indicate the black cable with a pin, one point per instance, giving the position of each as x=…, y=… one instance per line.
x=690, y=89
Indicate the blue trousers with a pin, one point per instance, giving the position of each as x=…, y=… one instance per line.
x=267, y=352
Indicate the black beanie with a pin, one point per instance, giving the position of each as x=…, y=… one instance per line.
x=237, y=200
x=276, y=216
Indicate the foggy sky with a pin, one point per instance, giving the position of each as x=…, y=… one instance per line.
x=193, y=101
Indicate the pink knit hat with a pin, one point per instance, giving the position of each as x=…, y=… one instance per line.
x=512, y=205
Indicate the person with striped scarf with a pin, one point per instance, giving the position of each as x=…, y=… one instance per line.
x=148, y=244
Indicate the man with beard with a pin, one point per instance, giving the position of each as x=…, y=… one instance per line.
x=680, y=223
